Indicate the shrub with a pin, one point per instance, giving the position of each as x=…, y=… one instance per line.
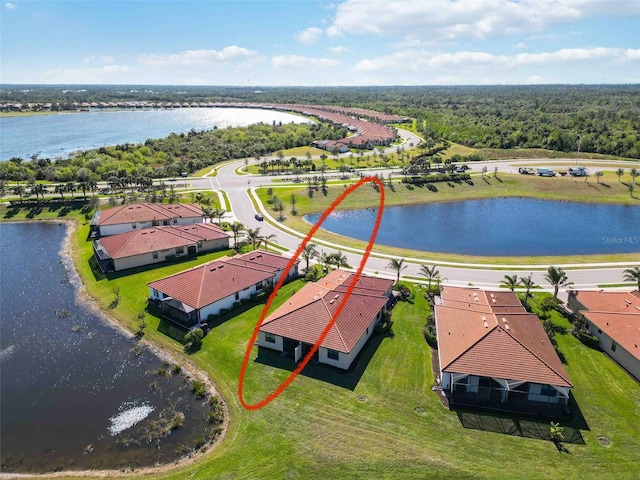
x=431, y=339
x=193, y=340
x=198, y=388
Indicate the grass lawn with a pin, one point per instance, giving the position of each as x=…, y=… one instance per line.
x=380, y=420
x=507, y=185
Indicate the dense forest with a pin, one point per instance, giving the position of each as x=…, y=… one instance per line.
x=590, y=118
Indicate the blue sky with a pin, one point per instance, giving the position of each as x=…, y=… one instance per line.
x=312, y=43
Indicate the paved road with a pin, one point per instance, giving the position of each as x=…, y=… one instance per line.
x=237, y=188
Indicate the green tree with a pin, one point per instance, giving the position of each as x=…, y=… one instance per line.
x=253, y=236
x=558, y=278
x=193, y=340
x=309, y=252
x=236, y=229
x=266, y=239
x=634, y=173
x=598, y=175
x=397, y=265
x=528, y=283
x=430, y=273
x=632, y=275
x=511, y=282
x=619, y=173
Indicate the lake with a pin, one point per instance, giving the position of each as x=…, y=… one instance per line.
x=61, y=134
x=77, y=394
x=497, y=227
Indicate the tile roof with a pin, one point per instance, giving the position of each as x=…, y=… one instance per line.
x=262, y=259
x=307, y=313
x=615, y=313
x=146, y=212
x=205, y=284
x=153, y=239
x=487, y=334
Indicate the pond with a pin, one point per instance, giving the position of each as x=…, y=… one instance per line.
x=61, y=134
x=498, y=227
x=76, y=393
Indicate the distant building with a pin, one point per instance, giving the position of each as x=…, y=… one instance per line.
x=613, y=317
x=151, y=245
x=297, y=324
x=142, y=215
x=494, y=354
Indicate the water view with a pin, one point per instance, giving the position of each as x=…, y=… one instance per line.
x=61, y=134
x=76, y=394
x=498, y=227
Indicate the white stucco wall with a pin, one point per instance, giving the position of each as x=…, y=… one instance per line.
x=106, y=230
x=630, y=363
x=145, y=259
x=345, y=359
x=212, y=245
x=227, y=302
x=278, y=345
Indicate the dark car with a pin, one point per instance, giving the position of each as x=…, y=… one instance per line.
x=259, y=217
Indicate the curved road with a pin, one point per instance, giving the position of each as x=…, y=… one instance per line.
x=237, y=188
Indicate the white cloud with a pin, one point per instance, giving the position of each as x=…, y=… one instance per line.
x=310, y=35
x=339, y=49
x=520, y=45
x=10, y=6
x=425, y=61
x=105, y=74
x=300, y=62
x=452, y=19
x=197, y=57
x=98, y=59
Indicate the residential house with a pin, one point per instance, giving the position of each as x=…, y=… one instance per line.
x=188, y=298
x=298, y=323
x=147, y=246
x=613, y=317
x=136, y=216
x=493, y=353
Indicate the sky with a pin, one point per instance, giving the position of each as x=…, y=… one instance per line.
x=320, y=43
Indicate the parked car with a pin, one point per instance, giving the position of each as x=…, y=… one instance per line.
x=526, y=171
x=546, y=172
x=259, y=217
x=578, y=171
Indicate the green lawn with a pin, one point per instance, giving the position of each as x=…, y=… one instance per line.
x=381, y=420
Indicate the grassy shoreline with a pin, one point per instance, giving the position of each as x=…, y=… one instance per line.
x=609, y=191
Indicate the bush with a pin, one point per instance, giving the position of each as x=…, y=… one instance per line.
x=431, y=339
x=198, y=388
x=193, y=340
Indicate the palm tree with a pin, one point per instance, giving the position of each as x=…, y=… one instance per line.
x=309, y=252
x=619, y=173
x=326, y=259
x=528, y=283
x=339, y=259
x=558, y=278
x=236, y=228
x=632, y=275
x=253, y=235
x=60, y=189
x=396, y=264
x=71, y=187
x=430, y=273
x=511, y=282
x=19, y=190
x=266, y=239
x=599, y=175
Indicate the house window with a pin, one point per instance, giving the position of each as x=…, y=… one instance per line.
x=199, y=244
x=155, y=255
x=237, y=295
x=175, y=220
x=179, y=250
x=599, y=331
x=548, y=391
x=333, y=354
x=613, y=346
x=134, y=226
x=270, y=338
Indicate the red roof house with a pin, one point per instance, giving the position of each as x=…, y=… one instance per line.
x=493, y=353
x=613, y=317
x=298, y=323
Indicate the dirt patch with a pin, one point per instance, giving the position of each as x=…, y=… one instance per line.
x=604, y=441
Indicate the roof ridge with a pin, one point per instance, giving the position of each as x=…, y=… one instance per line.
x=473, y=344
x=290, y=311
x=134, y=233
x=534, y=354
x=182, y=234
x=335, y=324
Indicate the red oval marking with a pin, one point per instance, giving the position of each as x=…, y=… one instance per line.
x=374, y=233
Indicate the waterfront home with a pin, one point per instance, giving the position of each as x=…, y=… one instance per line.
x=190, y=297
x=152, y=245
x=298, y=323
x=142, y=215
x=613, y=317
x=492, y=353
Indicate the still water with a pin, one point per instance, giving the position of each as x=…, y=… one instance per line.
x=58, y=135
x=497, y=227
x=75, y=393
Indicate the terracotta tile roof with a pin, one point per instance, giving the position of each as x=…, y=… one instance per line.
x=615, y=313
x=208, y=283
x=261, y=260
x=153, y=239
x=488, y=338
x=146, y=212
x=307, y=313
